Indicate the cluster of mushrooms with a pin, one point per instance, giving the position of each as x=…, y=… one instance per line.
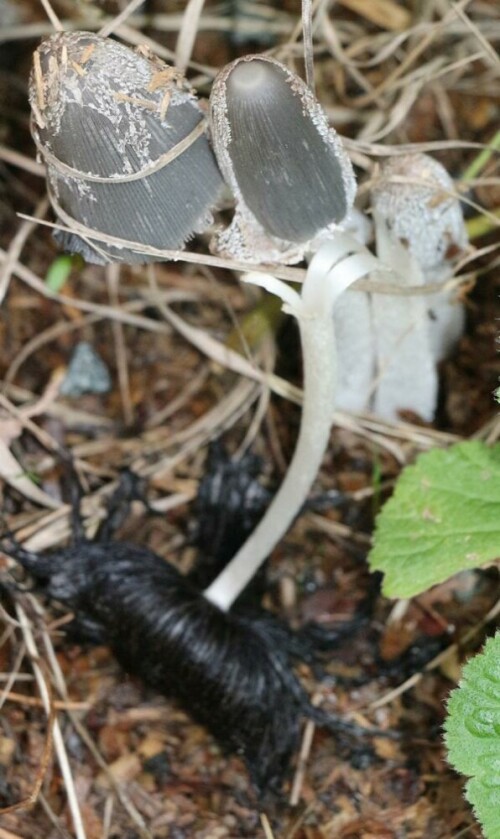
x=135, y=169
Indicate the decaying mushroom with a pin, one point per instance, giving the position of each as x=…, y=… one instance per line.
x=289, y=173
x=125, y=144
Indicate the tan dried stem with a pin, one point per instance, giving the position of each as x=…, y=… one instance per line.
x=188, y=32
x=17, y=244
x=113, y=279
x=49, y=11
x=114, y=23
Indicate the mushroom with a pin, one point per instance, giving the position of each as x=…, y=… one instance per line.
x=287, y=168
x=125, y=144
x=416, y=200
x=336, y=265
x=294, y=188
x=420, y=231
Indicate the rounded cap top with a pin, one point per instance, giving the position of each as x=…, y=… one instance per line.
x=285, y=164
x=248, y=78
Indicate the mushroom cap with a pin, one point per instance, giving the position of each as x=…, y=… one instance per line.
x=416, y=199
x=286, y=166
x=110, y=112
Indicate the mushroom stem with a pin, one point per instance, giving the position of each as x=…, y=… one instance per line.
x=336, y=265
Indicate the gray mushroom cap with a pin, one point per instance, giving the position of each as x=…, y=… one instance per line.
x=286, y=166
x=108, y=112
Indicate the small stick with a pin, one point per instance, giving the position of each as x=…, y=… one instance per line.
x=266, y=827
x=305, y=751
x=436, y=661
x=34, y=702
x=113, y=24
x=187, y=33
x=16, y=246
x=307, y=38
x=49, y=11
x=113, y=277
x=22, y=161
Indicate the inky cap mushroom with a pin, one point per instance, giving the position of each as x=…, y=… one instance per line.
x=125, y=145
x=287, y=168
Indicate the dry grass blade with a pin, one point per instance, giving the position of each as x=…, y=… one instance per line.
x=56, y=23
x=33, y=702
x=279, y=271
x=384, y=13
x=42, y=339
x=113, y=278
x=14, y=158
x=13, y=675
x=307, y=36
x=54, y=737
x=305, y=751
x=113, y=24
x=266, y=827
x=16, y=246
x=436, y=662
x=13, y=474
x=60, y=683
x=188, y=32
x=489, y=52
x=109, y=312
x=225, y=356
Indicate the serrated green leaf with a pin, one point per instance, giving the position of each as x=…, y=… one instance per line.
x=472, y=734
x=444, y=517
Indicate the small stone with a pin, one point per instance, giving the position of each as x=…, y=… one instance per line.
x=86, y=373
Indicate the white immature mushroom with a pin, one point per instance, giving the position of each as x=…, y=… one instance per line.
x=420, y=231
x=290, y=175
x=335, y=266
x=390, y=345
x=417, y=200
x=125, y=145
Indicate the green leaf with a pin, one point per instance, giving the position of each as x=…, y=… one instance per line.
x=443, y=518
x=59, y=271
x=472, y=734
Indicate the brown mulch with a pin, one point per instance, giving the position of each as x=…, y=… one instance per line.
x=138, y=765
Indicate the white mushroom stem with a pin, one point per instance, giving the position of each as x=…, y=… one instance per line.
x=352, y=321
x=389, y=345
x=355, y=351
x=406, y=367
x=336, y=265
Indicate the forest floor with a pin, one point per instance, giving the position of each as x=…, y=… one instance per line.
x=103, y=756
